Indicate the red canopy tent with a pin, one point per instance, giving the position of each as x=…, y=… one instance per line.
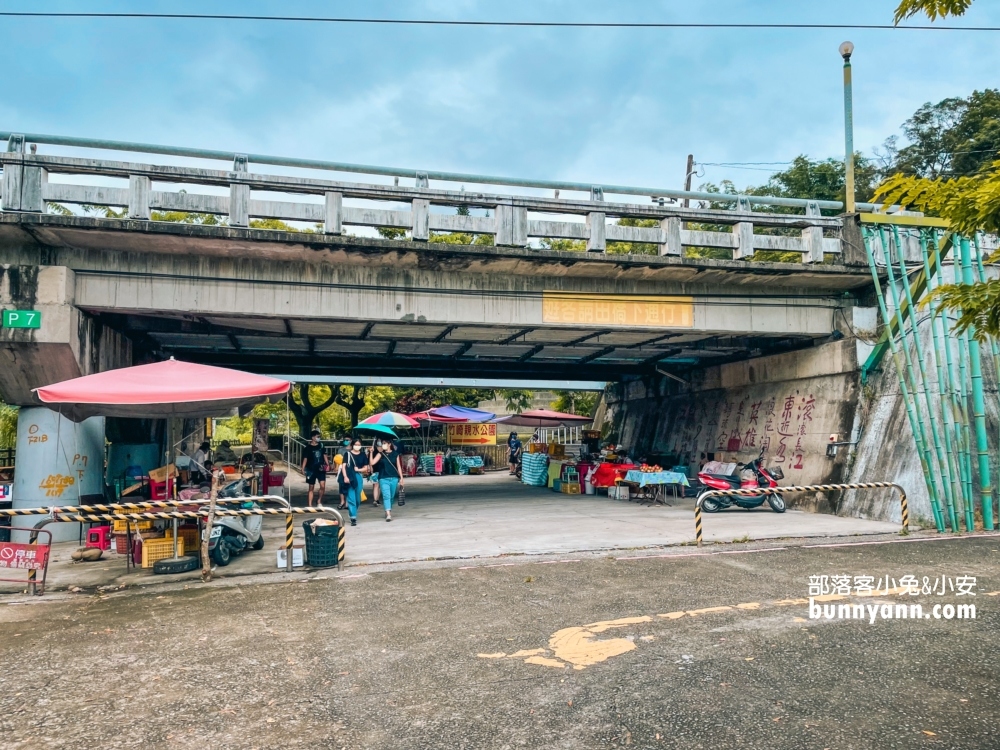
x=161, y=389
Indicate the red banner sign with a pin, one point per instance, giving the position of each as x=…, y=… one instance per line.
x=23, y=556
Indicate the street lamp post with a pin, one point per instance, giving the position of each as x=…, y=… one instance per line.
x=846, y=49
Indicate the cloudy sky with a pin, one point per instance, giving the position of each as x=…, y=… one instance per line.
x=595, y=105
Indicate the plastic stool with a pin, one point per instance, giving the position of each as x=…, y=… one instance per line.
x=99, y=537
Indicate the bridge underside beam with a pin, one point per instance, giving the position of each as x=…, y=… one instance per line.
x=432, y=350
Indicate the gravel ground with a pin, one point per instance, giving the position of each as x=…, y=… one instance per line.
x=561, y=653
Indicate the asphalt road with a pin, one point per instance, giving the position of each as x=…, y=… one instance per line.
x=707, y=651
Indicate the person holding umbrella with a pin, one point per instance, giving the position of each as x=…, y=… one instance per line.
x=386, y=462
x=356, y=467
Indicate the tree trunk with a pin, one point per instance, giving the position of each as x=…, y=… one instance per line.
x=305, y=411
x=355, y=405
x=206, y=563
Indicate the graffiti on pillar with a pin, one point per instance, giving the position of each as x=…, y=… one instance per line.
x=79, y=465
x=36, y=436
x=56, y=484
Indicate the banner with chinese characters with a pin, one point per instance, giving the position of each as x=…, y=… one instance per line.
x=617, y=310
x=472, y=434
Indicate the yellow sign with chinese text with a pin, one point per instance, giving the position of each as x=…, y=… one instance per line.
x=472, y=434
x=617, y=310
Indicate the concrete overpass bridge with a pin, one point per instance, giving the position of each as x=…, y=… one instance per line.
x=337, y=299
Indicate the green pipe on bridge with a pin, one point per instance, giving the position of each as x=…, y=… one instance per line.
x=919, y=286
x=939, y=453
x=946, y=386
x=978, y=403
x=981, y=274
x=910, y=375
x=908, y=402
x=962, y=344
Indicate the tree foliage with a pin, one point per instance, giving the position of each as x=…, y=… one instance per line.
x=970, y=204
x=8, y=425
x=957, y=136
x=977, y=306
x=576, y=402
x=516, y=399
x=933, y=9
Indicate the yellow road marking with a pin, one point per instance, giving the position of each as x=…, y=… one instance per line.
x=579, y=647
x=543, y=662
x=707, y=610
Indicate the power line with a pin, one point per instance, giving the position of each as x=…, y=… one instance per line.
x=501, y=24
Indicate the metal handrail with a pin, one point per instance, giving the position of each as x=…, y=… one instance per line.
x=421, y=174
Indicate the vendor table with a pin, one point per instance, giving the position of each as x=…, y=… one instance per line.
x=607, y=474
x=651, y=483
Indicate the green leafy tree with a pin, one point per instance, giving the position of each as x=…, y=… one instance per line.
x=955, y=137
x=933, y=9
x=515, y=399
x=970, y=202
x=576, y=402
x=307, y=402
x=8, y=425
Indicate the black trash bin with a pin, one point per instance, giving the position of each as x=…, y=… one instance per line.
x=322, y=544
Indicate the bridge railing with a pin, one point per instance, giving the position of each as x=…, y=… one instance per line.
x=512, y=220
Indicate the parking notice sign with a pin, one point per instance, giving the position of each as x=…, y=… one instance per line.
x=23, y=556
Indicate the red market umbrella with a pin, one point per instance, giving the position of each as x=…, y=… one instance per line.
x=161, y=389
x=389, y=419
x=543, y=418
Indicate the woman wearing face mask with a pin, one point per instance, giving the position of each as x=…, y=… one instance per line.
x=390, y=472
x=357, y=466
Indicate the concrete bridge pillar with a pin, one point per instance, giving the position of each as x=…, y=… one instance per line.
x=59, y=462
x=68, y=342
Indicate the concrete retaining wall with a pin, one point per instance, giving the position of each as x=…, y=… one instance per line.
x=789, y=404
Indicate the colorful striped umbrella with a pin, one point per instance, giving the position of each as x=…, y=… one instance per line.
x=389, y=419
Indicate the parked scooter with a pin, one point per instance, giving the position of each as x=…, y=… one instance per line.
x=748, y=476
x=231, y=535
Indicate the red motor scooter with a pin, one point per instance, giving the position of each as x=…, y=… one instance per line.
x=747, y=477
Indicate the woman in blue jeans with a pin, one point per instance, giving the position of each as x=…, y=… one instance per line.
x=386, y=462
x=356, y=466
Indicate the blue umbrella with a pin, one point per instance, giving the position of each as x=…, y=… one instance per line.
x=376, y=428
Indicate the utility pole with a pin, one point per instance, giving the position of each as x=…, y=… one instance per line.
x=687, y=178
x=846, y=50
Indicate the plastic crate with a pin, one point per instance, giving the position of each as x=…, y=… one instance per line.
x=158, y=549
x=119, y=526
x=188, y=534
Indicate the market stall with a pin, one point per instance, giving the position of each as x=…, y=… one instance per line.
x=607, y=474
x=161, y=390
x=455, y=460
x=650, y=483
